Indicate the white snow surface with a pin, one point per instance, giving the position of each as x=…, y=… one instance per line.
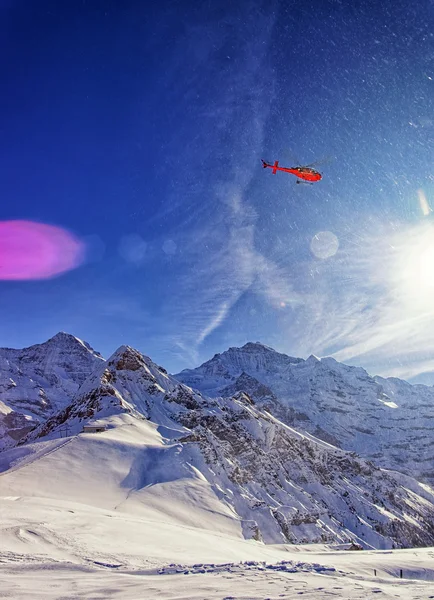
x=184, y=496
x=82, y=518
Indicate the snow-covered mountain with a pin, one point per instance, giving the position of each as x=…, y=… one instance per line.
x=220, y=463
x=387, y=421
x=227, y=463
x=38, y=381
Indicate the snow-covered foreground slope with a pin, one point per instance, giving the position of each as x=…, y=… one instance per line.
x=38, y=381
x=387, y=421
x=52, y=549
x=73, y=524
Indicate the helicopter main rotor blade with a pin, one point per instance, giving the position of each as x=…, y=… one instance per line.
x=287, y=154
x=322, y=161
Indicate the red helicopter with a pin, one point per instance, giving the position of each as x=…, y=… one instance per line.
x=307, y=174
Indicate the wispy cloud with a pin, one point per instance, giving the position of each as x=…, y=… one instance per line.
x=218, y=261
x=215, y=321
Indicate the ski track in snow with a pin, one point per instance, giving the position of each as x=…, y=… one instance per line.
x=230, y=581
x=33, y=458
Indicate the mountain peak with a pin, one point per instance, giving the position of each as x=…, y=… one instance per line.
x=260, y=350
x=255, y=347
x=62, y=338
x=126, y=358
x=313, y=359
x=40, y=380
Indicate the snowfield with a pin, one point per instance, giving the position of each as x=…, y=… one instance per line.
x=187, y=496
x=78, y=521
x=52, y=550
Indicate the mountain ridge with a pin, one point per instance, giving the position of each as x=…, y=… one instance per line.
x=269, y=481
x=389, y=421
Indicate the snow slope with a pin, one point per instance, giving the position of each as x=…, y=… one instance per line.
x=60, y=549
x=207, y=567
x=73, y=524
x=387, y=421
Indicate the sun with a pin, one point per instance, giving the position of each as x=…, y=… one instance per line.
x=412, y=268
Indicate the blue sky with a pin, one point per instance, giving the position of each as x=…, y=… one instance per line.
x=140, y=127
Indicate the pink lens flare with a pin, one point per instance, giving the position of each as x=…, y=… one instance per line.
x=30, y=250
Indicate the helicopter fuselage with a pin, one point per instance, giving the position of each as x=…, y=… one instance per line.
x=306, y=173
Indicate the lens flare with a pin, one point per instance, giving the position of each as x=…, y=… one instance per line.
x=30, y=251
x=324, y=244
x=169, y=247
x=423, y=203
x=133, y=249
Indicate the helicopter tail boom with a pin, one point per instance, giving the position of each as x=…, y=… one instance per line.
x=274, y=167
